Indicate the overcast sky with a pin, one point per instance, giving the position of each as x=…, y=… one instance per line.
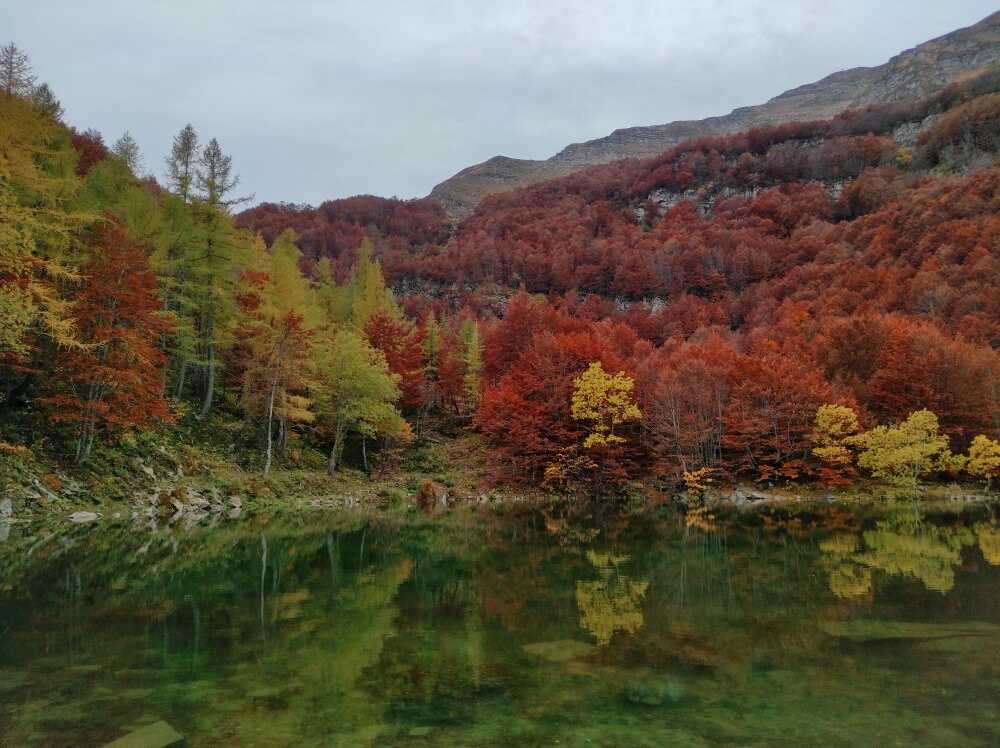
x=322, y=99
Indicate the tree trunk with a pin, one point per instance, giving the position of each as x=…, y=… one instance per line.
x=89, y=426
x=338, y=447
x=364, y=452
x=206, y=406
x=263, y=572
x=329, y=555
x=331, y=464
x=180, y=380
x=270, y=420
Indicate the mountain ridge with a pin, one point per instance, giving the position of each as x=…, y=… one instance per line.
x=911, y=74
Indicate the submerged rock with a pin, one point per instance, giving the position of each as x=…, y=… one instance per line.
x=81, y=517
x=6, y=508
x=157, y=735
x=865, y=631
x=654, y=692
x=563, y=650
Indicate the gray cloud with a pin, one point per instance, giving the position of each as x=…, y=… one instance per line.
x=317, y=100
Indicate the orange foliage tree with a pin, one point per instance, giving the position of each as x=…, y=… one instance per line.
x=116, y=380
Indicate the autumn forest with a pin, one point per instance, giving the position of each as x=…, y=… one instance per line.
x=813, y=302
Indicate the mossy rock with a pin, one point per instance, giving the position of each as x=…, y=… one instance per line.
x=870, y=630
x=156, y=735
x=654, y=692
x=562, y=650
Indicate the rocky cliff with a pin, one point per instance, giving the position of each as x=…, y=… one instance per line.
x=912, y=74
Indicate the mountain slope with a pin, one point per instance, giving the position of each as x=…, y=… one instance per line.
x=912, y=74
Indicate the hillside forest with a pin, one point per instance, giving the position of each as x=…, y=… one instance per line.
x=816, y=302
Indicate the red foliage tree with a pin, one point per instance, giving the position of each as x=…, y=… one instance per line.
x=896, y=365
x=768, y=419
x=399, y=229
x=116, y=380
x=683, y=393
x=90, y=149
x=527, y=414
x=401, y=342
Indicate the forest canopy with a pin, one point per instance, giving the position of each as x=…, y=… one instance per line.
x=708, y=309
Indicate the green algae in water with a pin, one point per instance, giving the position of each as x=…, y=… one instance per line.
x=389, y=634
x=560, y=651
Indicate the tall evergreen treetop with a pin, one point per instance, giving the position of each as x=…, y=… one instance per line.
x=46, y=102
x=127, y=149
x=181, y=163
x=214, y=177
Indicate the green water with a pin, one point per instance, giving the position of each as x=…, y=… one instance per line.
x=326, y=631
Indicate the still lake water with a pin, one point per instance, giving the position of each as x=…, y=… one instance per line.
x=324, y=631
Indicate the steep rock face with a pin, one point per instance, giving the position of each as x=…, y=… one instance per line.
x=912, y=74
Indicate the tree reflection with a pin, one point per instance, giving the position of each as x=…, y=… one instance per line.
x=989, y=543
x=902, y=545
x=610, y=603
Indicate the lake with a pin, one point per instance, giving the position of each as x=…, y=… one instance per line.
x=321, y=629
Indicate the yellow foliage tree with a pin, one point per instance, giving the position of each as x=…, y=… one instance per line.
x=834, y=424
x=281, y=333
x=984, y=459
x=903, y=453
x=37, y=222
x=698, y=481
x=605, y=401
x=367, y=290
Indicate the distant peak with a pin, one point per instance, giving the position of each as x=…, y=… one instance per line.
x=913, y=73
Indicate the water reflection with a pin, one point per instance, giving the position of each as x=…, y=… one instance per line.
x=379, y=633
x=900, y=546
x=989, y=543
x=612, y=602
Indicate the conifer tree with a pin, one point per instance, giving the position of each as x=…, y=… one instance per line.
x=278, y=327
x=46, y=102
x=127, y=149
x=213, y=273
x=355, y=392
x=214, y=178
x=333, y=299
x=16, y=75
x=181, y=163
x=472, y=362
x=114, y=381
x=37, y=185
x=367, y=289
x=433, y=345
x=175, y=259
